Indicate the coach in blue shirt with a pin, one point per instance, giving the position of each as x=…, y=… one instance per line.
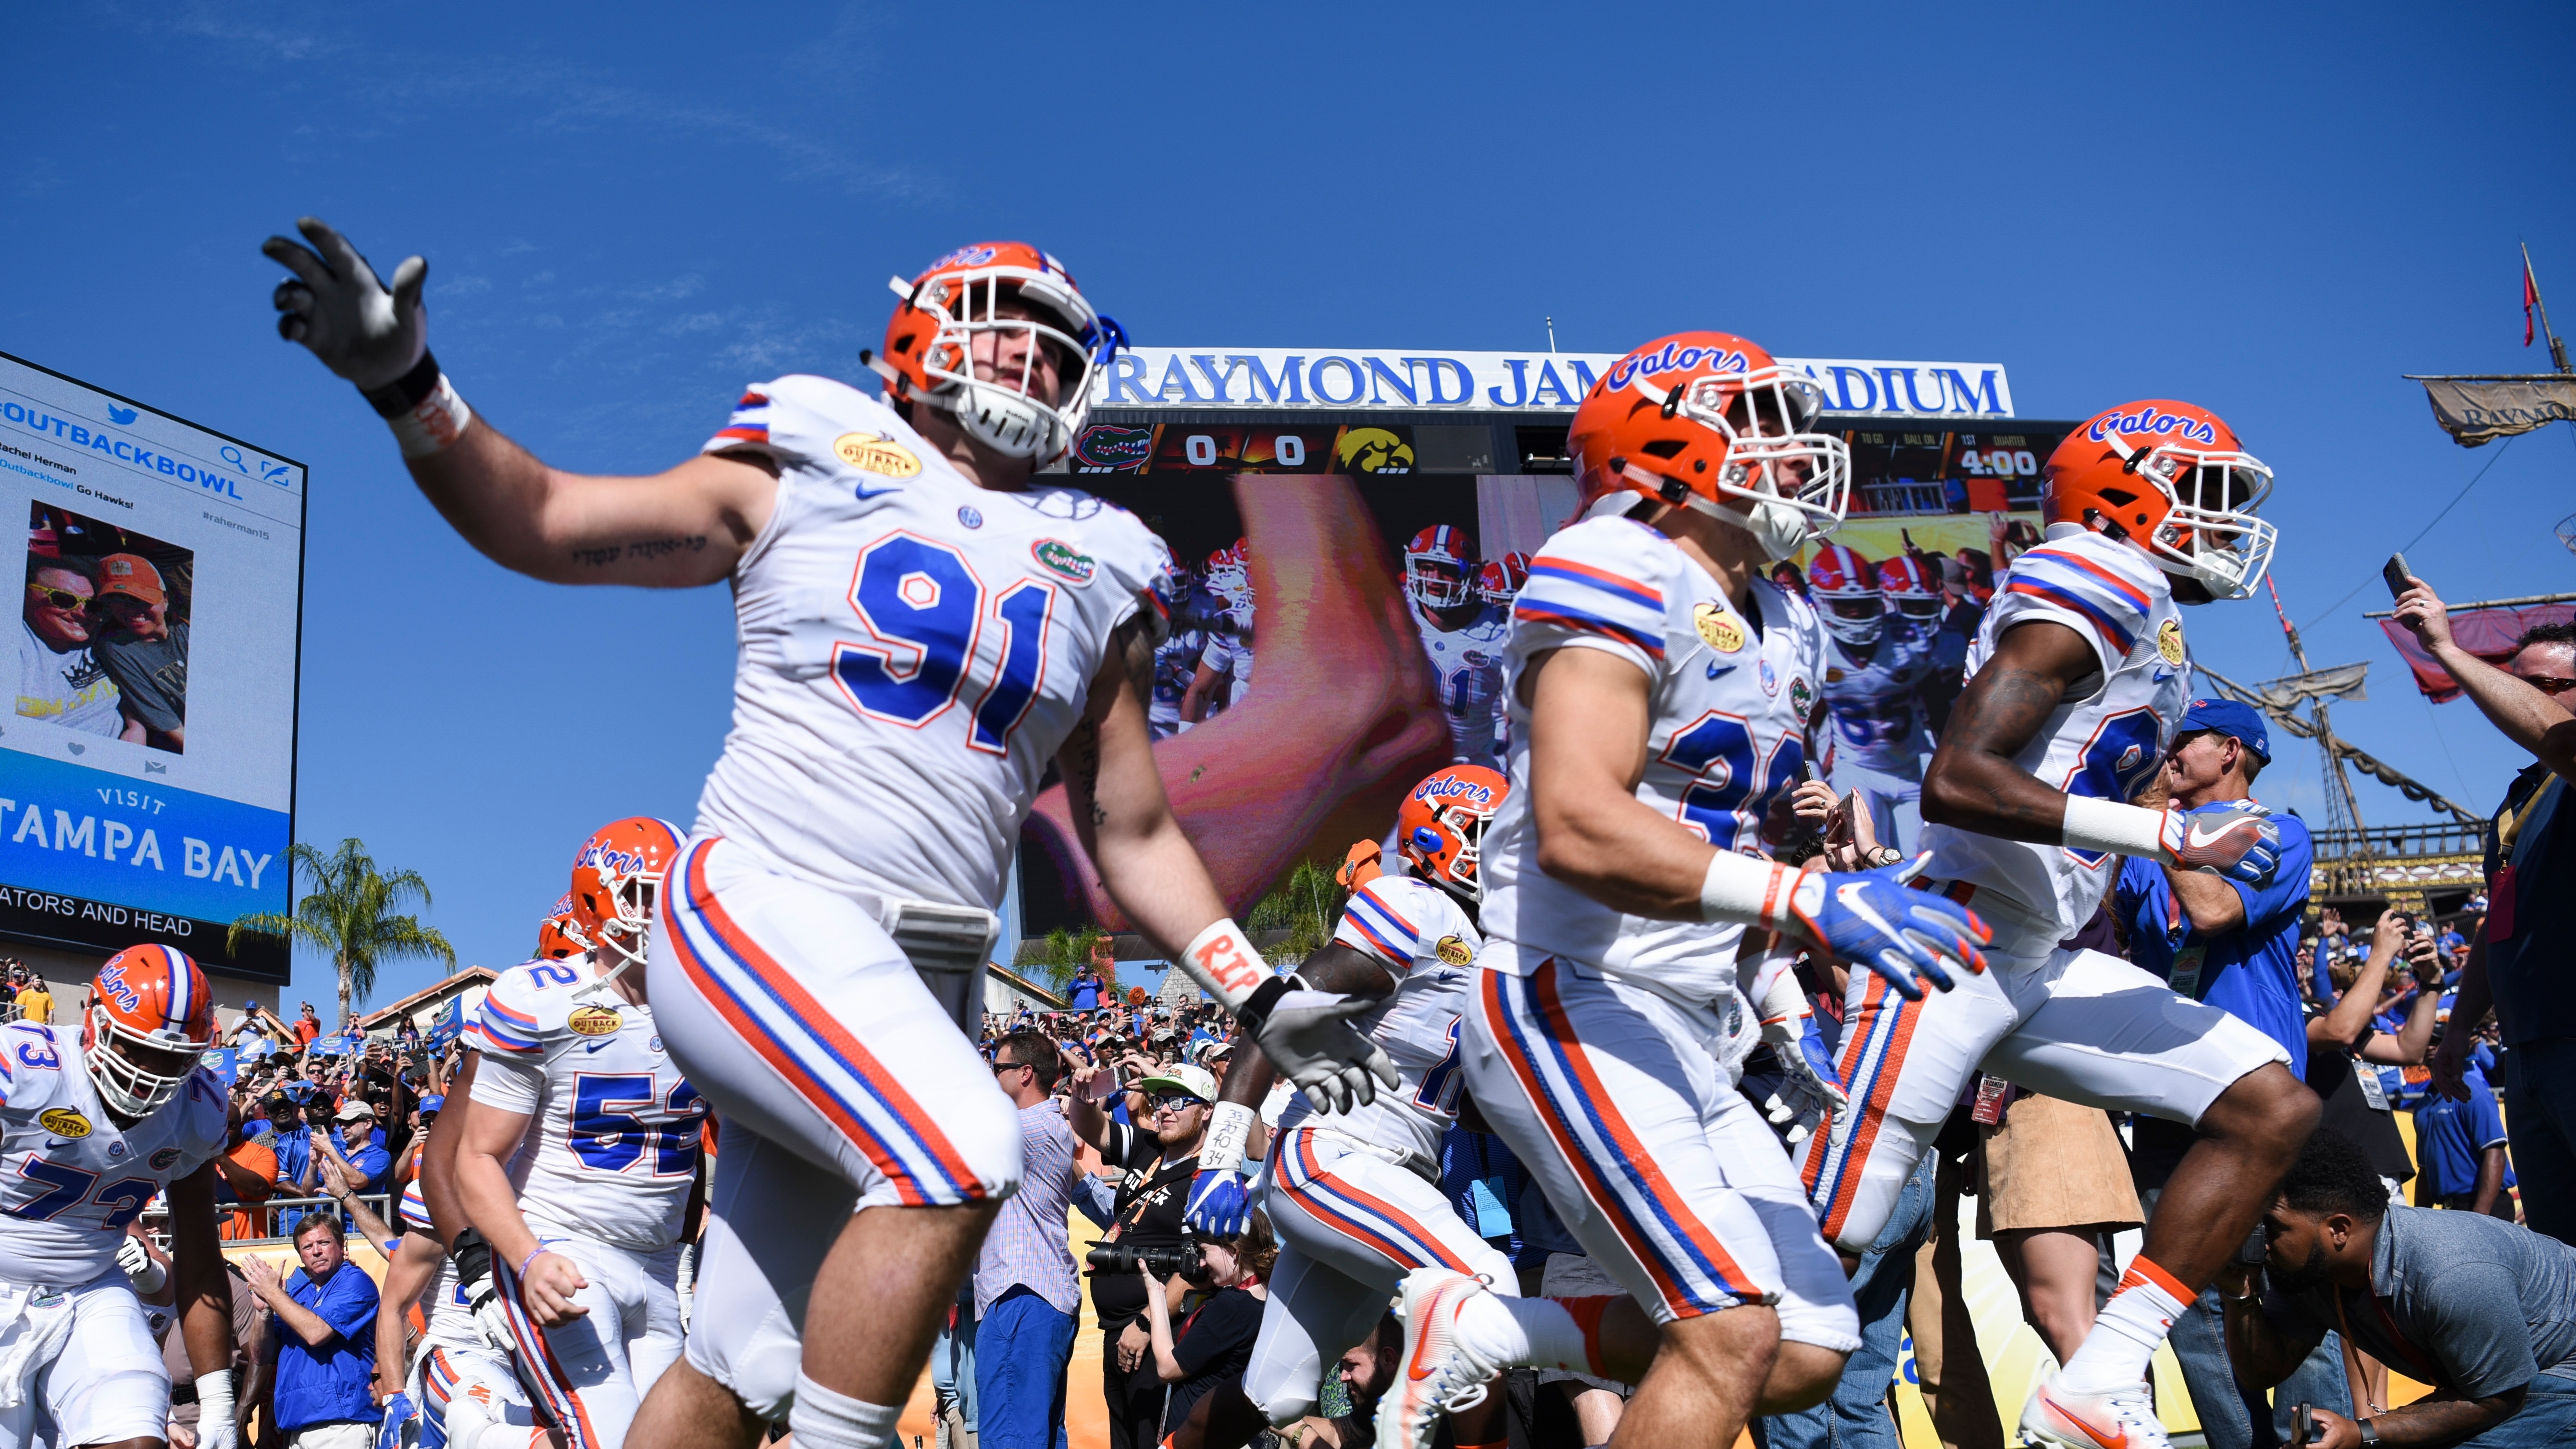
x=324, y=1336
x=2236, y=948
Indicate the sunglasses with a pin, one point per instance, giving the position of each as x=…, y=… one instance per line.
x=1001, y=1067
x=2548, y=684
x=1177, y=1102
x=59, y=598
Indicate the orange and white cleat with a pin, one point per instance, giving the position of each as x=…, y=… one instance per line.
x=2125, y=1419
x=1443, y=1369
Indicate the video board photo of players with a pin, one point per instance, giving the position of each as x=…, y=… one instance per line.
x=103, y=638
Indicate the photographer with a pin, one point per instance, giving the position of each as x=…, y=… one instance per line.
x=2483, y=1311
x=1159, y=1161
x=1214, y=1344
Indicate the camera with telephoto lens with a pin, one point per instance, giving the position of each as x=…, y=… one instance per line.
x=1185, y=1261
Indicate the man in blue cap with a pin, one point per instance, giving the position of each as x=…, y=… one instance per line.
x=2236, y=948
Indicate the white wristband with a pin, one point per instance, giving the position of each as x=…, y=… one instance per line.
x=1740, y=888
x=2109, y=825
x=214, y=1399
x=433, y=423
x=1229, y=1127
x=1221, y=959
x=1783, y=1004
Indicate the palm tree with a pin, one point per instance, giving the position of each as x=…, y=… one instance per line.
x=347, y=909
x=1068, y=950
x=1307, y=905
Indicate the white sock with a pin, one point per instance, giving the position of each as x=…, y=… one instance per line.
x=827, y=1419
x=2114, y=1355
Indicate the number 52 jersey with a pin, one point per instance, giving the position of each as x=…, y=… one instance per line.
x=1733, y=696
x=612, y=1140
x=70, y=1178
x=914, y=649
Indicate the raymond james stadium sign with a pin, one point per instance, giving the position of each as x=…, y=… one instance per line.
x=1266, y=378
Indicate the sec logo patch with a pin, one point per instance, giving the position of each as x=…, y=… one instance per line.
x=1717, y=630
x=875, y=454
x=2169, y=641
x=1454, y=952
x=63, y=1122
x=594, y=1021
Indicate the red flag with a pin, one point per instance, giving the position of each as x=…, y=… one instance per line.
x=2530, y=297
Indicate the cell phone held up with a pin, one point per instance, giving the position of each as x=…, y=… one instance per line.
x=2397, y=576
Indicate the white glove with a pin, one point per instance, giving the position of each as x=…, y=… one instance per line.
x=141, y=1268
x=1813, y=1093
x=1308, y=1036
x=216, y=1426
x=337, y=306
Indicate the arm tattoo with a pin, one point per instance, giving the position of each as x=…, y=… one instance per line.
x=642, y=550
x=1081, y=760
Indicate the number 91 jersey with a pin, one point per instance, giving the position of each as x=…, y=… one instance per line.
x=914, y=649
x=612, y=1140
x=1733, y=696
x=70, y=1178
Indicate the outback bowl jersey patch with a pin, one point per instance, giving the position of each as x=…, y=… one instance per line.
x=1422, y=935
x=904, y=677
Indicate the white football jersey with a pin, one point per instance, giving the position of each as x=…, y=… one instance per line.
x=1467, y=674
x=1734, y=696
x=1421, y=933
x=2105, y=744
x=443, y=1307
x=70, y=1178
x=612, y=1146
x=914, y=649
x=1876, y=701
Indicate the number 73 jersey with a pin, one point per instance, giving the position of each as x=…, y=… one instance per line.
x=612, y=1140
x=1731, y=694
x=70, y=1178
x=914, y=649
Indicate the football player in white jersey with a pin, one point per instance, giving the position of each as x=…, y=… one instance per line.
x=1662, y=695
x=1355, y=1196
x=925, y=625
x=1462, y=635
x=1224, y=673
x=1873, y=686
x=92, y=1131
x=577, y=1158
x=2077, y=680
x=460, y=1383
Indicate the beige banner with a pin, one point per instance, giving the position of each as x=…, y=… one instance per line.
x=2478, y=410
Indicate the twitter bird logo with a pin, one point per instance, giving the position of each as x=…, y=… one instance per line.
x=119, y=416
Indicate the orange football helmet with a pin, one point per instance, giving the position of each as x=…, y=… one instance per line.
x=1912, y=586
x=930, y=345
x=151, y=1015
x=616, y=885
x=557, y=935
x=1441, y=826
x=2171, y=478
x=1707, y=420
x=1500, y=582
x=1844, y=589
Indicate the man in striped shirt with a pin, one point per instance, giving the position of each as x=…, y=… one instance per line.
x=1026, y=1295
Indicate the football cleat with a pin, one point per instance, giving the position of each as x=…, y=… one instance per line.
x=2056, y=1419
x=2170, y=478
x=1441, y=1371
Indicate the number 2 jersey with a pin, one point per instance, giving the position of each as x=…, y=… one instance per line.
x=70, y=1178
x=1422, y=935
x=2105, y=744
x=913, y=649
x=612, y=1140
x=1733, y=696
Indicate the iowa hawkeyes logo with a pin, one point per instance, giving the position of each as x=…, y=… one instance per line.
x=1373, y=450
x=1107, y=445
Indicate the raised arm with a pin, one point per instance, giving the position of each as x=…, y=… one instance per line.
x=2344, y=1025
x=2529, y=717
x=674, y=529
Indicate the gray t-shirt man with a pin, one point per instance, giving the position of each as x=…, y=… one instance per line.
x=2461, y=1301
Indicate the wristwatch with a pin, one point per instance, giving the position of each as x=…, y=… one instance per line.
x=2369, y=1431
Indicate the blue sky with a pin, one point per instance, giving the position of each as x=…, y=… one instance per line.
x=631, y=211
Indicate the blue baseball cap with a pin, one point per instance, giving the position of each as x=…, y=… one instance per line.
x=2240, y=722
x=432, y=1104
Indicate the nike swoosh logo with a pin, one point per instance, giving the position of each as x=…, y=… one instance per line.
x=2161, y=675
x=592, y=1046
x=2061, y=1411
x=863, y=492
x=2196, y=838
x=1718, y=671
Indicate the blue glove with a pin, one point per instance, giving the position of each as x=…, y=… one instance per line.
x=2233, y=838
x=399, y=1414
x=1873, y=918
x=1818, y=1063
x=1219, y=1208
